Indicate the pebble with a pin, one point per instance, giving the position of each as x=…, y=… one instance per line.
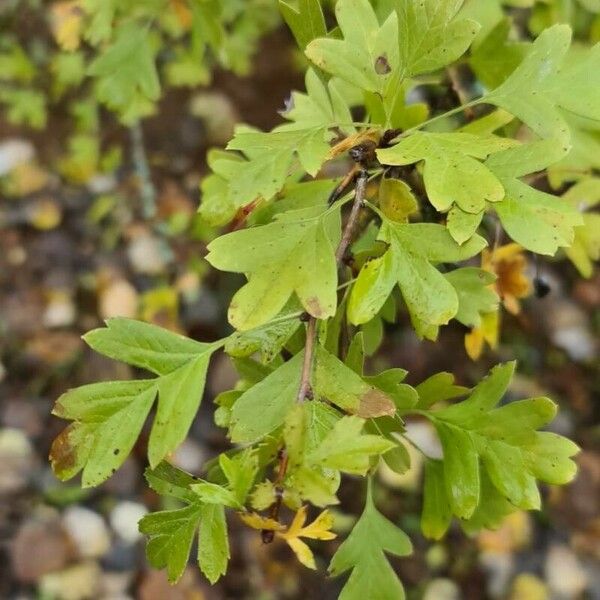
x=124, y=519
x=87, y=530
x=60, y=310
x=118, y=299
x=565, y=576
x=14, y=152
x=148, y=254
x=16, y=460
x=442, y=589
x=499, y=567
x=79, y=582
x=189, y=456
x=40, y=546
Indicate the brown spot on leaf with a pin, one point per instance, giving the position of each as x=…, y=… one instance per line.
x=375, y=404
x=382, y=66
x=63, y=454
x=314, y=307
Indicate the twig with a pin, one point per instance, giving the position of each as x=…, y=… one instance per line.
x=304, y=391
x=140, y=162
x=359, y=197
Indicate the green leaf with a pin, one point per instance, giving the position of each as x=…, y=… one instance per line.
x=438, y=388
x=497, y=57
x=501, y=443
x=586, y=245
x=321, y=106
x=451, y=173
x=368, y=54
x=263, y=408
x=345, y=449
x=462, y=225
x=364, y=552
x=112, y=413
x=212, y=493
x=171, y=533
x=295, y=255
x=437, y=514
x=216, y=207
x=167, y=480
x=337, y=383
x=127, y=81
x=306, y=22
x=538, y=221
x=396, y=200
x=430, y=36
x=269, y=339
x=240, y=471
x=108, y=419
x=474, y=294
x=408, y=263
x=144, y=345
x=270, y=159
x=179, y=396
x=213, y=543
x=545, y=81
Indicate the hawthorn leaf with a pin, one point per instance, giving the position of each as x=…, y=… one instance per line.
x=171, y=533
x=216, y=208
x=497, y=57
x=437, y=514
x=367, y=56
x=346, y=449
x=213, y=542
x=408, y=263
x=545, y=81
x=167, y=480
x=306, y=21
x=268, y=340
x=270, y=159
x=240, y=471
x=321, y=106
x=212, y=493
x=127, y=81
x=292, y=255
x=144, y=345
x=475, y=296
x=179, y=396
x=586, y=244
x=462, y=225
x=452, y=175
x=438, y=388
x=584, y=156
x=263, y=408
x=363, y=552
x=538, y=221
x=503, y=443
x=340, y=385
x=396, y=200
x=108, y=418
x=319, y=529
x=430, y=36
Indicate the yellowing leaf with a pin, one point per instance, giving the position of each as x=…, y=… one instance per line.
x=67, y=20
x=259, y=522
x=319, y=529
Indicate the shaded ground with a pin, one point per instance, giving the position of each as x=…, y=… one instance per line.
x=71, y=255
